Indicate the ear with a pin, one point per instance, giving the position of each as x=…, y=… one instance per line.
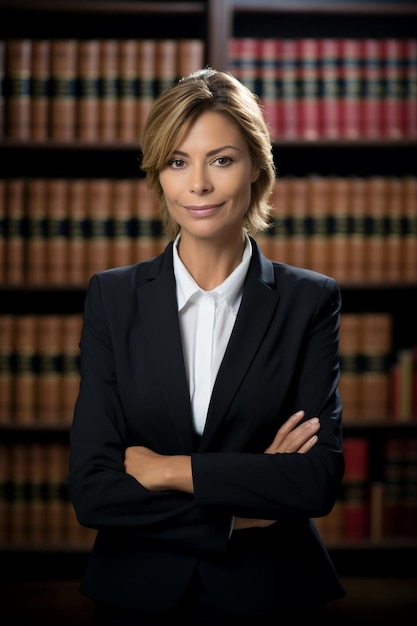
x=255, y=173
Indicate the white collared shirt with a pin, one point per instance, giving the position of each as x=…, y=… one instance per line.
x=206, y=321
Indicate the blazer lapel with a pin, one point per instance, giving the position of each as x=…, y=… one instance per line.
x=157, y=302
x=259, y=302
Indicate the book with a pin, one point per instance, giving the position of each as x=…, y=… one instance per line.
x=318, y=224
x=88, y=89
x=3, y=229
x=149, y=239
x=297, y=213
x=25, y=369
x=7, y=354
x=57, y=230
x=122, y=211
x=14, y=266
x=409, y=230
x=340, y=204
x=290, y=93
x=349, y=349
x=356, y=509
x=99, y=217
x=357, y=230
x=77, y=230
x=127, y=104
x=372, y=88
x=393, y=239
x=376, y=213
x=393, y=80
x=146, y=65
x=309, y=96
x=351, y=106
x=166, y=68
x=17, y=87
x=107, y=116
x=37, y=231
x=71, y=324
x=410, y=115
x=376, y=341
x=329, y=113
x=40, y=85
x=190, y=56
x=63, y=94
x=270, y=84
x=49, y=370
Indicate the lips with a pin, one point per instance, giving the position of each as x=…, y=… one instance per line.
x=202, y=211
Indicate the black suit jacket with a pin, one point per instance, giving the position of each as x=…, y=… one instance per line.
x=282, y=356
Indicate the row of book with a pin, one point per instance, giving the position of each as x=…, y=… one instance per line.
x=313, y=88
x=39, y=369
x=87, y=89
x=59, y=230
x=34, y=507
x=377, y=507
x=63, y=230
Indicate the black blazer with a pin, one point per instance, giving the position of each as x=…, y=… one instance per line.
x=282, y=356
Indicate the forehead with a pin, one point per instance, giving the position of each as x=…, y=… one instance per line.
x=212, y=129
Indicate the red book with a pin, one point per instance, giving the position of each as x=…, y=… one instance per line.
x=350, y=74
x=394, y=70
x=410, y=130
x=356, y=489
x=309, y=58
x=329, y=114
x=372, y=78
x=290, y=97
x=270, y=82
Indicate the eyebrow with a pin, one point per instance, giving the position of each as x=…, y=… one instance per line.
x=211, y=153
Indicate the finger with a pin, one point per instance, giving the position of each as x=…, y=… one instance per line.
x=308, y=445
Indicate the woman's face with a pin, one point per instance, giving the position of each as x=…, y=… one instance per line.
x=207, y=179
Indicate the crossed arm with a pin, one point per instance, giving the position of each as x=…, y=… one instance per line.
x=157, y=472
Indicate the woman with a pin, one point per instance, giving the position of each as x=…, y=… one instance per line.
x=207, y=430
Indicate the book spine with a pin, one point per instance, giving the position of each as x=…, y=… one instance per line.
x=356, y=489
x=270, y=76
x=3, y=229
x=19, y=501
x=63, y=99
x=166, y=64
x=393, y=57
x=15, y=231
x=148, y=240
x=71, y=333
x=375, y=250
x=309, y=52
x=393, y=242
x=409, y=230
x=372, y=88
x=357, y=230
x=122, y=219
x=88, y=92
x=146, y=64
x=329, y=113
x=36, y=239
x=410, y=115
x=2, y=88
x=349, y=347
x=127, y=105
x=108, y=90
x=297, y=221
x=57, y=230
x=49, y=375
x=77, y=231
x=40, y=85
x=25, y=369
x=351, y=109
x=17, y=88
x=318, y=240
x=376, y=354
x=99, y=216
x=340, y=200
x=290, y=109
x=7, y=322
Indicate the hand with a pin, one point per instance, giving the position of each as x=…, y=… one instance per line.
x=157, y=472
x=295, y=437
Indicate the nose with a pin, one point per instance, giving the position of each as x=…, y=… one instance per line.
x=200, y=182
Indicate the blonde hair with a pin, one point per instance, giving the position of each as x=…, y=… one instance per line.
x=177, y=108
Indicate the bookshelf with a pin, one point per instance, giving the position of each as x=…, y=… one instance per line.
x=110, y=161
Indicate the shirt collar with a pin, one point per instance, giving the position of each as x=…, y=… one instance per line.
x=231, y=288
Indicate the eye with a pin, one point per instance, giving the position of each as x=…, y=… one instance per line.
x=223, y=161
x=176, y=163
